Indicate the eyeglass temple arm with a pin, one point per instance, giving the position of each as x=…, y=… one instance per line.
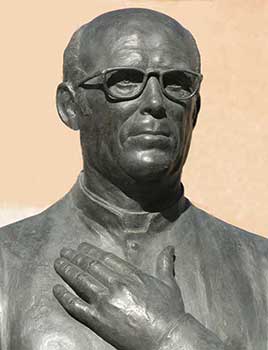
x=90, y=77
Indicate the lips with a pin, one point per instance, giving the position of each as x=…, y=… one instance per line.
x=152, y=133
x=146, y=132
x=153, y=130
x=143, y=137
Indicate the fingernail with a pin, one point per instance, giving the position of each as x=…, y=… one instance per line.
x=64, y=251
x=58, y=262
x=57, y=289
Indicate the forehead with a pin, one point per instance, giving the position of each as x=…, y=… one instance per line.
x=143, y=47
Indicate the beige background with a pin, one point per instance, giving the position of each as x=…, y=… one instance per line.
x=227, y=169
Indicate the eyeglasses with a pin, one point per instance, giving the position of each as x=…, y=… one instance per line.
x=122, y=83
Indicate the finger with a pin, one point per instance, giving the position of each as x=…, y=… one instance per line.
x=84, y=285
x=85, y=313
x=95, y=268
x=91, y=250
x=77, y=258
x=165, y=265
x=110, y=260
x=76, y=307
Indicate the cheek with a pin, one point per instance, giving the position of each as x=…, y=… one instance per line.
x=186, y=132
x=122, y=116
x=177, y=116
x=101, y=124
x=181, y=125
x=179, y=112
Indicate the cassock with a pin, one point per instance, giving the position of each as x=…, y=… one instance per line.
x=222, y=271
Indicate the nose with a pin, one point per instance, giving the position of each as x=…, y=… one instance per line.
x=153, y=99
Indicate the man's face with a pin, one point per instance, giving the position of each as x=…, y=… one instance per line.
x=149, y=136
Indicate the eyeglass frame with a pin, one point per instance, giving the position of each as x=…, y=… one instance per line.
x=147, y=75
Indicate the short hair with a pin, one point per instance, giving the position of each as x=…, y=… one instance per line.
x=72, y=70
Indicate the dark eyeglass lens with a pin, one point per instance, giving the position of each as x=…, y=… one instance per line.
x=179, y=84
x=124, y=82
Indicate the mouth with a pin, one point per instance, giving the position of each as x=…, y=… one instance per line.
x=150, y=137
x=151, y=133
x=150, y=140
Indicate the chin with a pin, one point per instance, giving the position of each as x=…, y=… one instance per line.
x=146, y=166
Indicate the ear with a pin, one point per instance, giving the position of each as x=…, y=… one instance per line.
x=196, y=109
x=67, y=106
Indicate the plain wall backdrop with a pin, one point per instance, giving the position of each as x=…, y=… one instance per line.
x=226, y=171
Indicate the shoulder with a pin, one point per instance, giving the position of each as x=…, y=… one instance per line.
x=228, y=234
x=20, y=237
x=19, y=243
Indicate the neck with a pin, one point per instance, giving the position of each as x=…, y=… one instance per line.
x=150, y=197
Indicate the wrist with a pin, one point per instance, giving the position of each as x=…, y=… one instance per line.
x=189, y=334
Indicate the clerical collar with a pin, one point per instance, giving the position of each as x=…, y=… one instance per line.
x=119, y=220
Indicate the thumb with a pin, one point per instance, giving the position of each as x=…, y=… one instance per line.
x=165, y=265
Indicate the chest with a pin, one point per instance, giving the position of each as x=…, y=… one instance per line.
x=216, y=292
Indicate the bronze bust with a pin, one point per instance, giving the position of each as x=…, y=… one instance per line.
x=124, y=261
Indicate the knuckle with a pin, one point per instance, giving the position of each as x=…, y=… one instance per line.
x=97, y=254
x=92, y=250
x=78, y=259
x=68, y=299
x=102, y=297
x=64, y=294
x=67, y=269
x=86, y=264
x=119, y=286
x=112, y=281
x=108, y=257
x=118, y=293
x=94, y=265
x=73, y=304
x=81, y=277
x=83, y=246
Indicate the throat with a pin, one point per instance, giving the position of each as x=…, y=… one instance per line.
x=136, y=198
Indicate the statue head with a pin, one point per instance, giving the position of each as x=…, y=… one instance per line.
x=131, y=83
